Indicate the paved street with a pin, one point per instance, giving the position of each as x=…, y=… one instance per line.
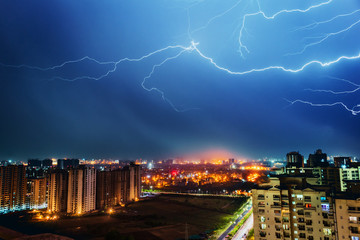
x=231, y=227
x=248, y=225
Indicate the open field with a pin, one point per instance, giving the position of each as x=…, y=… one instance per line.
x=160, y=218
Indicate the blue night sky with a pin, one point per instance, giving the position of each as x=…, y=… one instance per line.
x=194, y=96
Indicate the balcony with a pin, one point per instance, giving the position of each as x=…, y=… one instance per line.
x=301, y=227
x=354, y=211
x=284, y=197
x=275, y=206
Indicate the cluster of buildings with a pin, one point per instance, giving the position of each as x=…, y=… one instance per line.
x=68, y=187
x=309, y=200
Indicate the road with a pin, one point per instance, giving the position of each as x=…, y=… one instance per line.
x=231, y=227
x=248, y=225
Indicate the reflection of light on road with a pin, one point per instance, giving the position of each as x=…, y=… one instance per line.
x=246, y=227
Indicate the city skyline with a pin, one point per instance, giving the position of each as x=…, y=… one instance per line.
x=167, y=79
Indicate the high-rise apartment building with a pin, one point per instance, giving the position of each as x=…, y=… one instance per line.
x=108, y=189
x=348, y=218
x=89, y=189
x=75, y=191
x=12, y=188
x=118, y=186
x=294, y=159
x=81, y=190
x=130, y=183
x=292, y=209
x=57, y=191
x=318, y=159
x=37, y=193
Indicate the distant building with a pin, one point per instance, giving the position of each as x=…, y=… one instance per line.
x=130, y=183
x=57, y=191
x=81, y=190
x=37, y=193
x=118, y=186
x=47, y=163
x=318, y=159
x=108, y=189
x=34, y=163
x=294, y=159
x=89, y=189
x=342, y=161
x=75, y=191
x=67, y=163
x=12, y=188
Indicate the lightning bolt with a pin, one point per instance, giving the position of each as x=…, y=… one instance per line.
x=212, y=19
x=185, y=49
x=337, y=92
x=194, y=48
x=115, y=64
x=282, y=68
x=316, y=24
x=243, y=47
x=324, y=38
x=354, y=110
x=44, y=69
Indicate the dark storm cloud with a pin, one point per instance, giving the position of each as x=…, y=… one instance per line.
x=115, y=117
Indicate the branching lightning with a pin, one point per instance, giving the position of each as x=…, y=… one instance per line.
x=194, y=48
x=243, y=47
x=324, y=38
x=357, y=88
x=354, y=110
x=316, y=24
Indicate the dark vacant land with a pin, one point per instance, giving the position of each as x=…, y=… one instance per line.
x=164, y=217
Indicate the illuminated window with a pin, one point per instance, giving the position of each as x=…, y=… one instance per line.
x=325, y=207
x=263, y=226
x=353, y=219
x=327, y=231
x=262, y=219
